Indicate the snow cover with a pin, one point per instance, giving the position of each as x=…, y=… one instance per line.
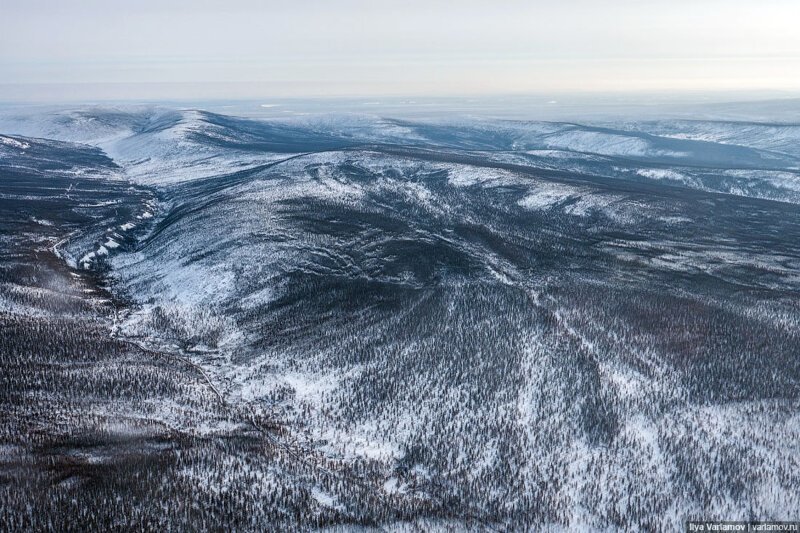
x=210, y=269
x=8, y=141
x=608, y=144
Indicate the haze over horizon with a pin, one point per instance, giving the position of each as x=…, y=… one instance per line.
x=174, y=49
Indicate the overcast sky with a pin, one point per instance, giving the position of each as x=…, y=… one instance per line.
x=243, y=49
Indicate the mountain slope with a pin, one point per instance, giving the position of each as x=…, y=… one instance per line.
x=461, y=323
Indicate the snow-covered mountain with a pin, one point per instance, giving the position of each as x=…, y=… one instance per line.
x=466, y=323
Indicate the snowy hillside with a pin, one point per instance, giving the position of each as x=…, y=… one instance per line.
x=464, y=323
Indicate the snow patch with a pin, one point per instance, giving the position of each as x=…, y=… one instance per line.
x=8, y=141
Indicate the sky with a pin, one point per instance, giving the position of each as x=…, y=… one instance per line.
x=173, y=49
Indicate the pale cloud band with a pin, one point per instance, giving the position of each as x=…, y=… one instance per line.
x=376, y=48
